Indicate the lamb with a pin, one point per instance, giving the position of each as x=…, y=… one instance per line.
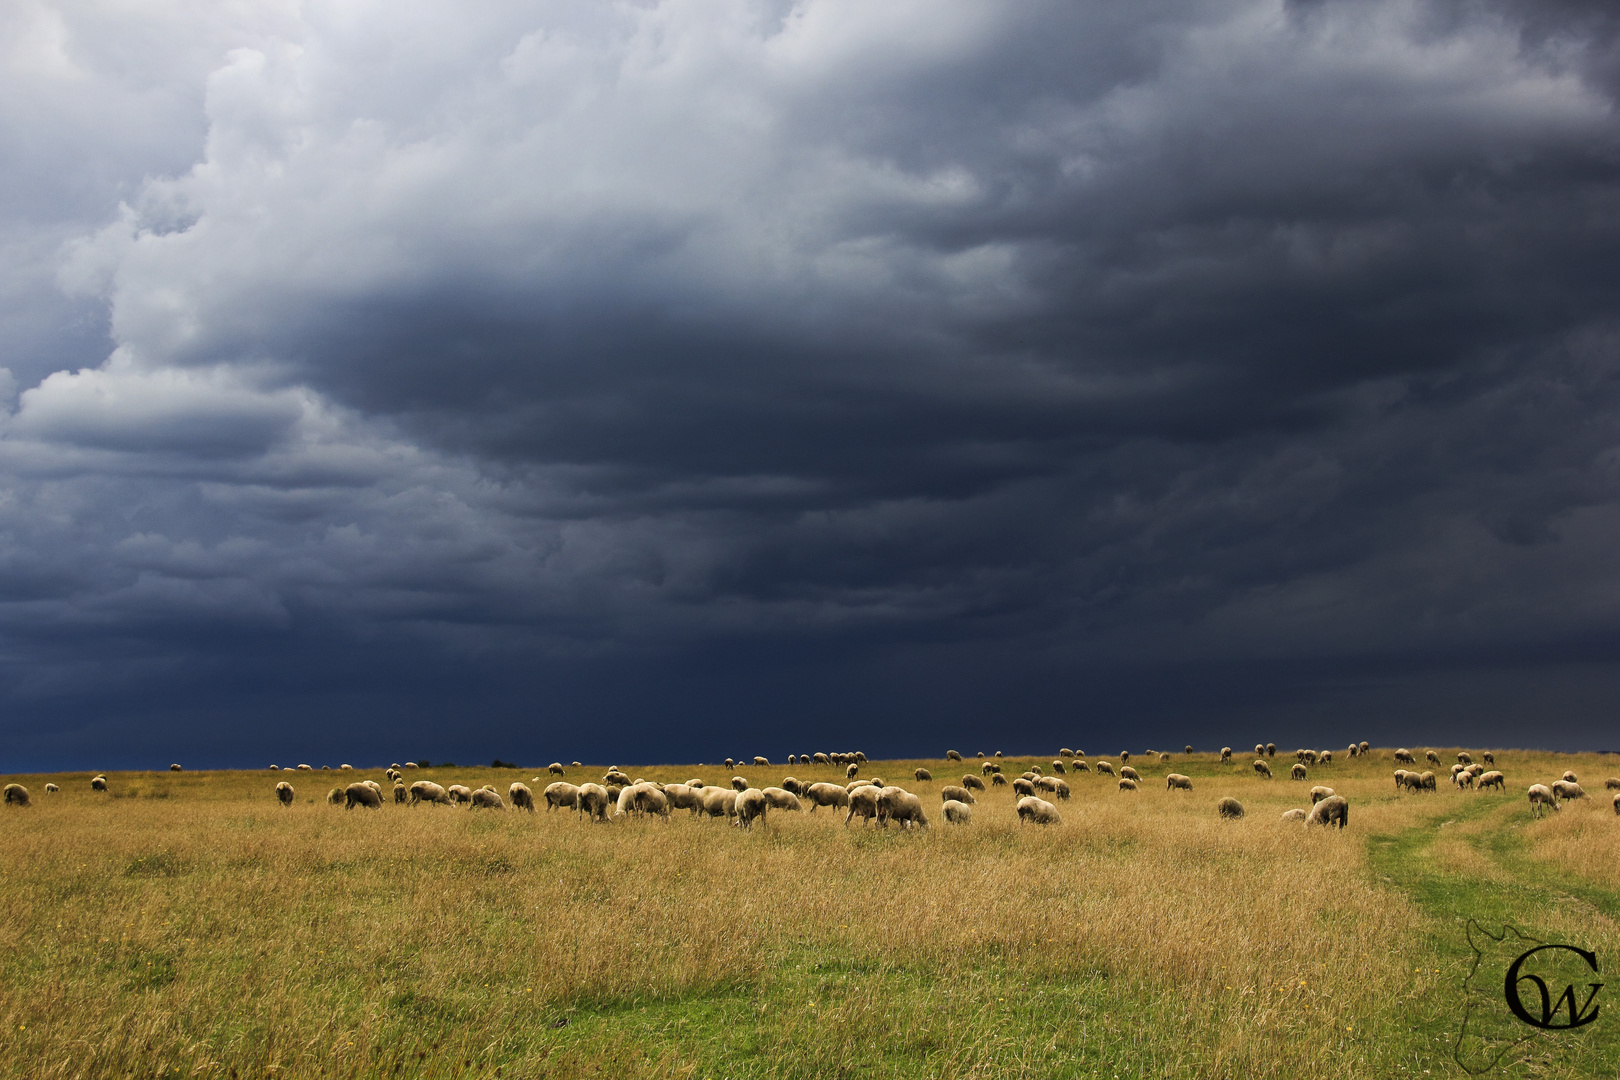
x=1320, y=793
x=400, y=793
x=429, y=792
x=952, y=793
x=556, y=769
x=336, y=797
x=972, y=783
x=997, y=780
x=16, y=795
x=361, y=795
x=1262, y=768
x=1226, y=755
x=1178, y=782
x=1293, y=815
x=1492, y=779
x=1568, y=789
x=98, y=783
x=826, y=795
x=1333, y=810
x=1541, y=795
x=285, y=793
x=1105, y=767
x=560, y=793
x=782, y=799
x=921, y=774
x=1297, y=772
x=520, y=797
x=1037, y=811
x=1022, y=787
x=1129, y=773
x=1127, y=784
x=1229, y=808
x=960, y=813
x=900, y=805
x=762, y=761
x=862, y=801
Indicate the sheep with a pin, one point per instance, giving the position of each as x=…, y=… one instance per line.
x=1262, y=768
x=952, y=755
x=1060, y=788
x=853, y=770
x=1271, y=749
x=1065, y=753
x=285, y=793
x=1325, y=757
x=1400, y=778
x=98, y=783
x=960, y=813
x=1124, y=755
x=1129, y=773
x=429, y=792
x=1488, y=758
x=1187, y=749
x=1333, y=810
x=459, y=793
x=821, y=759
x=1293, y=815
x=592, y=801
x=1617, y=802
x=826, y=795
x=1404, y=756
x=862, y=801
x=996, y=754
x=972, y=783
x=1177, y=781
x=175, y=767
x=793, y=759
x=1455, y=769
x=1432, y=758
x=361, y=795
x=1354, y=749
x=1426, y=781
x=989, y=767
x=1022, y=787
x=1105, y=767
x=556, y=769
x=1259, y=749
x=1229, y=808
x=400, y=792
x=952, y=793
x=1057, y=767
x=684, y=797
x=695, y=782
x=51, y=789
x=1127, y=784
x=719, y=802
x=1464, y=758
x=921, y=775
x=782, y=799
x=997, y=780
x=1492, y=779
x=374, y=786
x=520, y=797
x=1365, y=746
x=762, y=761
x=345, y=768
x=1297, y=772
x=1226, y=755
x=1570, y=778
x=1320, y=793
x=794, y=784
x=560, y=793
x=1163, y=758
x=1078, y=765
x=730, y=763
x=1464, y=779
x=649, y=800
x=304, y=768
x=16, y=795
x=1612, y=783
x=751, y=804
x=1568, y=789
x=900, y=805
x=1037, y=811
x=336, y=797
x=614, y=778
x=1541, y=795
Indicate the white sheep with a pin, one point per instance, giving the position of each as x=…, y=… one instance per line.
x=826, y=795
x=862, y=801
x=921, y=774
x=783, y=799
x=719, y=802
x=98, y=783
x=900, y=805
x=1333, y=810
x=16, y=795
x=1319, y=793
x=459, y=793
x=592, y=801
x=1569, y=777
x=763, y=761
x=1226, y=755
x=560, y=793
x=1492, y=779
x=361, y=794
x=1127, y=784
x=998, y=780
x=1229, y=808
x=174, y=768
x=960, y=813
x=429, y=792
x=1297, y=772
x=952, y=755
x=1568, y=789
x=1404, y=756
x=1293, y=815
x=1130, y=774
x=520, y=797
x=962, y=795
x=51, y=789
x=1541, y=795
x=684, y=797
x=1037, y=812
x=1262, y=768
x=556, y=769
x=400, y=792
x=337, y=797
x=972, y=783
x=285, y=793
x=1178, y=781
x=751, y=805
x=852, y=770
x=1105, y=767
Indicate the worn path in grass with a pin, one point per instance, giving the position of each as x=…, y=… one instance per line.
x=1470, y=860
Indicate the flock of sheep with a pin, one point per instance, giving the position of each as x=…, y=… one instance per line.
x=617, y=795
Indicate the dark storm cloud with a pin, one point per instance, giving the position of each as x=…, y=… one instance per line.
x=696, y=362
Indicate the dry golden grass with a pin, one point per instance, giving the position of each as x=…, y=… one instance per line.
x=185, y=924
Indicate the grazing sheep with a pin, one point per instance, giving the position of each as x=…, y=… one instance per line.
x=459, y=793
x=762, y=761
x=1426, y=781
x=1105, y=767
x=1492, y=779
x=853, y=784
x=98, y=783
x=1400, y=778
x=649, y=800
x=304, y=768
x=556, y=769
x=1022, y=787
x=1129, y=773
x=1066, y=752
x=750, y=805
x=1568, y=789
x=374, y=786
x=852, y=770
x=821, y=759
x=593, y=801
x=1060, y=788
x=1320, y=793
x=1271, y=749
x=793, y=759
x=345, y=768
x=719, y=802
x=1037, y=811
x=960, y=813
x=1325, y=757
x=862, y=801
x=1127, y=784
x=730, y=763
x=997, y=780
x=1464, y=758
x=16, y=795
x=1057, y=767
x=996, y=754
x=1488, y=758
x=1259, y=749
x=989, y=767
x=950, y=792
x=952, y=755
x=275, y=768
x=898, y=804
x=1541, y=795
x=1177, y=781
x=361, y=795
x=738, y=783
x=520, y=797
x=1078, y=765
x=1297, y=772
x=695, y=782
x=1365, y=746
x=1226, y=755
x=972, y=783
x=1229, y=808
x=1464, y=779
x=51, y=789
x=429, y=792
x=1124, y=755
x=1293, y=815
x=336, y=797
x=1262, y=768
x=1354, y=749
x=1187, y=749
x=1617, y=802
x=400, y=792
x=560, y=793
x=1432, y=758
x=1612, y=783
x=782, y=799
x=1163, y=758
x=826, y=795
x=1570, y=778
x=174, y=768
x=1333, y=810
x=794, y=784
x=285, y=793
x=1404, y=756
x=684, y=797
x=921, y=775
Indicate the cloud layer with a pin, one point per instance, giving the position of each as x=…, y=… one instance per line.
x=570, y=375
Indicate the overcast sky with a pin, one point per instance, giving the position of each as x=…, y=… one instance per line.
x=669, y=380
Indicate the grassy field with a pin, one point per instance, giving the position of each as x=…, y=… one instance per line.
x=184, y=924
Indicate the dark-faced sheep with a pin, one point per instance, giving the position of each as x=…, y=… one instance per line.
x=972, y=783
x=429, y=792
x=1229, y=808
x=826, y=795
x=1365, y=746
x=520, y=797
x=1037, y=812
x=1127, y=784
x=1492, y=779
x=285, y=794
x=1177, y=781
x=863, y=804
x=782, y=799
x=16, y=795
x=898, y=804
x=98, y=783
x=361, y=794
x=1022, y=787
x=960, y=813
x=1541, y=796
x=1187, y=749
x=1320, y=793
x=1568, y=789
x=1297, y=772
x=1262, y=768
x=959, y=794
x=1333, y=810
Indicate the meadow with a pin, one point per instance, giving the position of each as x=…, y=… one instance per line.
x=185, y=924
